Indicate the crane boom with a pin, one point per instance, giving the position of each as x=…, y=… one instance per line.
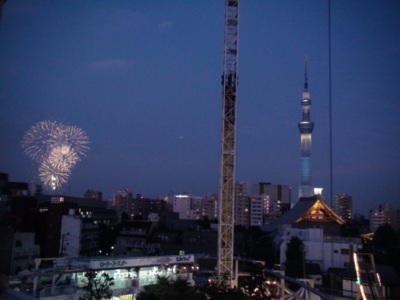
x=225, y=267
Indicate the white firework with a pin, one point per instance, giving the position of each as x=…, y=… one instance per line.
x=52, y=177
x=38, y=140
x=75, y=137
x=56, y=148
x=63, y=157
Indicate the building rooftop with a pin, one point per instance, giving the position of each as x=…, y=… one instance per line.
x=311, y=211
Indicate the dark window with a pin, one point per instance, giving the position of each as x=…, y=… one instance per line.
x=344, y=251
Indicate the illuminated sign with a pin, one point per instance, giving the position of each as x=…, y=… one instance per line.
x=141, y=261
x=183, y=258
x=163, y=260
x=113, y=263
x=181, y=196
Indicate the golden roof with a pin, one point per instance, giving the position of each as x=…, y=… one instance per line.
x=320, y=212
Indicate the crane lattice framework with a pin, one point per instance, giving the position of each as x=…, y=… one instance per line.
x=225, y=267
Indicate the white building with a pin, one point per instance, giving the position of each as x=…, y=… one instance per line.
x=79, y=236
x=181, y=205
x=257, y=210
x=193, y=208
x=327, y=252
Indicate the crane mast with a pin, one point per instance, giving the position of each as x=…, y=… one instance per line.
x=225, y=266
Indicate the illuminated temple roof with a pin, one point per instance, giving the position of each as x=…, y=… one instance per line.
x=315, y=210
x=309, y=212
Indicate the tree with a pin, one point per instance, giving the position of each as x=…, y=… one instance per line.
x=295, y=258
x=254, y=243
x=350, y=229
x=386, y=247
x=97, y=287
x=386, y=239
x=166, y=290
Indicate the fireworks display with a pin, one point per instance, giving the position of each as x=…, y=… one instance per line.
x=63, y=157
x=51, y=176
x=56, y=148
x=38, y=141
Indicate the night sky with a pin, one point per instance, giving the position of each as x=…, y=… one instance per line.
x=143, y=80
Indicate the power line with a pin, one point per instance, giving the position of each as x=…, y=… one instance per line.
x=330, y=103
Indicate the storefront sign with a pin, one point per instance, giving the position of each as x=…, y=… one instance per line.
x=141, y=261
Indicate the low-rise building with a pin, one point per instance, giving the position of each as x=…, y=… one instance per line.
x=326, y=251
x=17, y=251
x=64, y=278
x=134, y=238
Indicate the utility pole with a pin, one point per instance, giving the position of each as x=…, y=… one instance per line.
x=225, y=266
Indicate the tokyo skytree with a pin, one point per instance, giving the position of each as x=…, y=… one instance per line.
x=305, y=127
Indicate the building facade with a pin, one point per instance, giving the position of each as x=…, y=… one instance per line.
x=380, y=216
x=326, y=251
x=193, y=207
x=17, y=251
x=242, y=204
x=182, y=205
x=122, y=201
x=395, y=219
x=209, y=207
x=343, y=206
x=276, y=199
x=96, y=195
x=79, y=235
x=257, y=210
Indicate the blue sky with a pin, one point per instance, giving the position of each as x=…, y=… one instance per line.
x=142, y=78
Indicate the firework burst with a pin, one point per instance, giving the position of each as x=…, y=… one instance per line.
x=56, y=148
x=51, y=176
x=63, y=157
x=39, y=140
x=75, y=137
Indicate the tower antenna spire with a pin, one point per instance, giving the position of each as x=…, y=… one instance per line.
x=305, y=72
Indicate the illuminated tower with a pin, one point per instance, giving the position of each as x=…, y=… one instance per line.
x=305, y=128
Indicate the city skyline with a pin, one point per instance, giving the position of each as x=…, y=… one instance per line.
x=143, y=81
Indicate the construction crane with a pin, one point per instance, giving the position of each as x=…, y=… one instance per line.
x=225, y=265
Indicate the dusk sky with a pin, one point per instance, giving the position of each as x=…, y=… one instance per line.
x=143, y=80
